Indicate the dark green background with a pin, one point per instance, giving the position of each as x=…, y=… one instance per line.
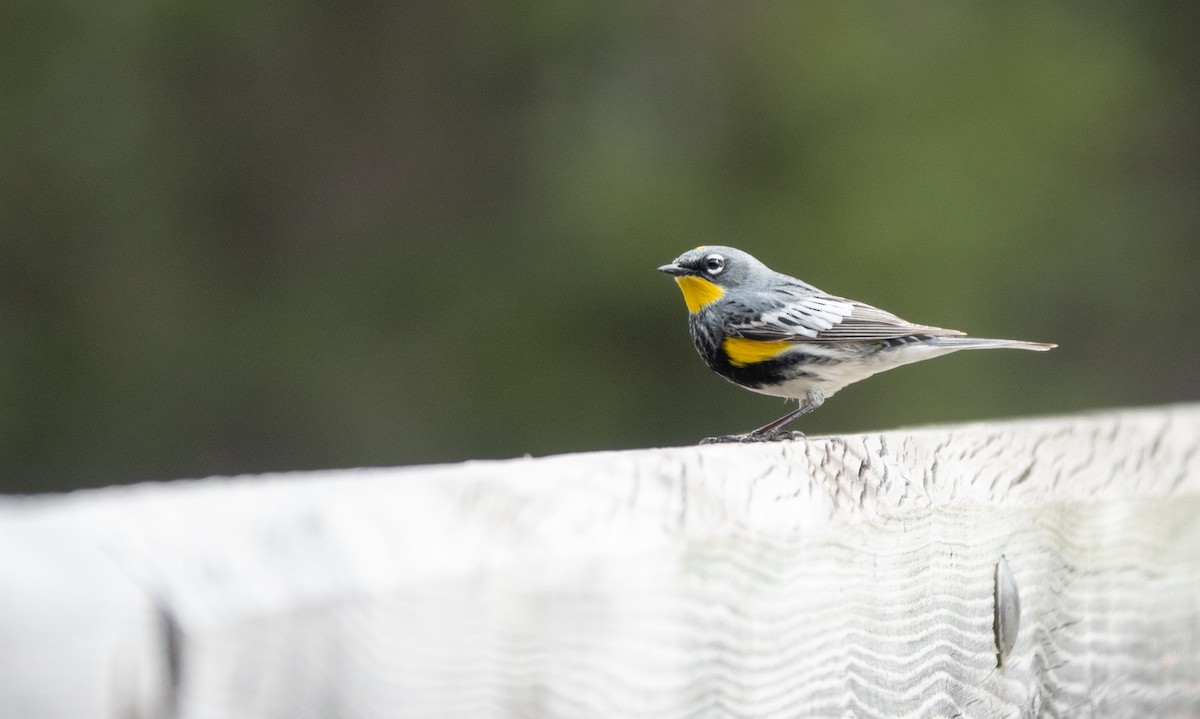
x=244, y=237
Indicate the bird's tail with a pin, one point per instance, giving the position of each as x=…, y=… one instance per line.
x=978, y=343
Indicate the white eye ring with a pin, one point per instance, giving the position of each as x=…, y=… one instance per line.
x=714, y=264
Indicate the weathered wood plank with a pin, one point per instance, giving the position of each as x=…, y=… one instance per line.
x=839, y=576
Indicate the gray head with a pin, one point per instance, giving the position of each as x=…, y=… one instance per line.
x=722, y=266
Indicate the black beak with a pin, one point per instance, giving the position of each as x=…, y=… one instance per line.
x=673, y=269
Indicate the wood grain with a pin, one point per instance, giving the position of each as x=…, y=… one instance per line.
x=838, y=576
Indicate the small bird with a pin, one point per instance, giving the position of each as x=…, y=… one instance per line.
x=777, y=335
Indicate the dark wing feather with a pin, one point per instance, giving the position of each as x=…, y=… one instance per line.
x=820, y=317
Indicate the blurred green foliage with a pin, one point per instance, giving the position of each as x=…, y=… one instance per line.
x=238, y=237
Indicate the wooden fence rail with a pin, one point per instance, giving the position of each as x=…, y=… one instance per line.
x=839, y=576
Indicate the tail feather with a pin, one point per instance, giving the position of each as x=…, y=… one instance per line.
x=979, y=343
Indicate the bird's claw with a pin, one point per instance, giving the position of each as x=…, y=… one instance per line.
x=785, y=436
x=752, y=437
x=726, y=439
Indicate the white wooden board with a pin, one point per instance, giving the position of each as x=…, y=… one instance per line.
x=838, y=576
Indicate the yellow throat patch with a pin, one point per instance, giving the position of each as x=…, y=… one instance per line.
x=698, y=292
x=742, y=351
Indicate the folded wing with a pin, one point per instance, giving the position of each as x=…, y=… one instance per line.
x=824, y=318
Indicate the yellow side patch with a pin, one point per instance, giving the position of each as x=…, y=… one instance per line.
x=698, y=292
x=742, y=351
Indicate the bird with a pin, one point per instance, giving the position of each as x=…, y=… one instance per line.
x=776, y=335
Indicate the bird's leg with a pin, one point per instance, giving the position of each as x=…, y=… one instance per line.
x=771, y=432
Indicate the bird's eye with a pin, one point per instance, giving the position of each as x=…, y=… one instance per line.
x=714, y=263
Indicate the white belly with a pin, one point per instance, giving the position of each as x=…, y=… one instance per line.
x=833, y=376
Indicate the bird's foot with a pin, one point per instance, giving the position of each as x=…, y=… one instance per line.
x=753, y=437
x=785, y=437
x=728, y=439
